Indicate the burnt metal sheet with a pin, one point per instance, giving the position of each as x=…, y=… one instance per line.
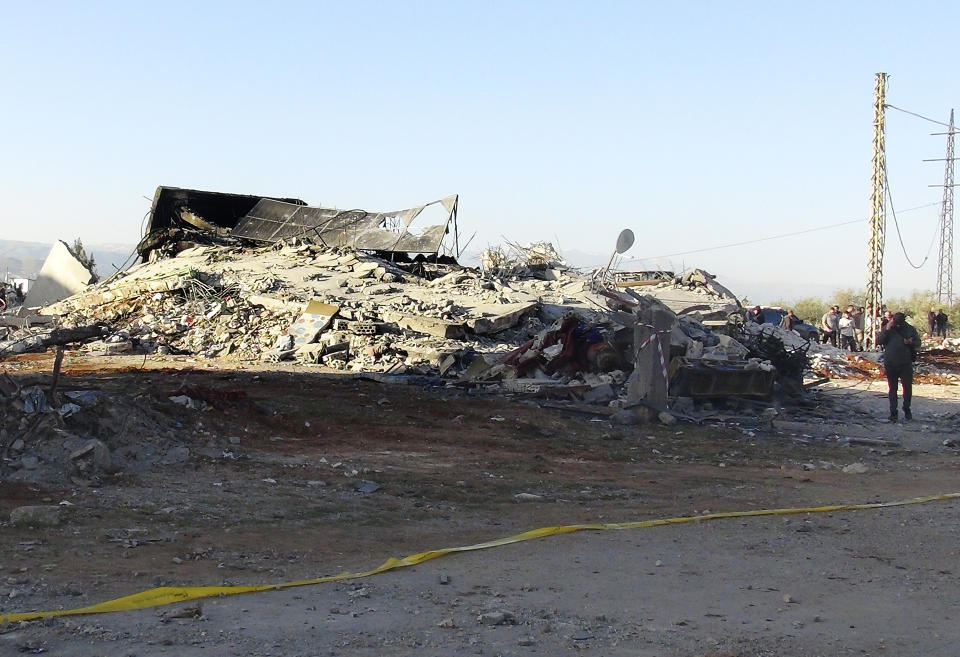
x=272, y=220
x=210, y=212
x=171, y=205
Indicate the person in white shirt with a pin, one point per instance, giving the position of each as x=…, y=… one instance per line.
x=848, y=332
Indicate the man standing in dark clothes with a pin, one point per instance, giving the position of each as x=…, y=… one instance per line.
x=931, y=323
x=900, y=343
x=789, y=320
x=942, y=323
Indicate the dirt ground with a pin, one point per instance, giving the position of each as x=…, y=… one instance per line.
x=277, y=482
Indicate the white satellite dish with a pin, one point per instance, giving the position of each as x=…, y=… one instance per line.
x=624, y=242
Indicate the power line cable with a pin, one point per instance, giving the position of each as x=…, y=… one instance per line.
x=919, y=116
x=897, y=225
x=773, y=237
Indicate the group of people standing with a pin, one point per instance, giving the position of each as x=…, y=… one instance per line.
x=937, y=323
x=844, y=330
x=10, y=294
x=898, y=340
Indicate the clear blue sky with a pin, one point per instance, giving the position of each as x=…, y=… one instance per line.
x=695, y=124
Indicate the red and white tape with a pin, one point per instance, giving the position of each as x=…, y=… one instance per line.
x=663, y=362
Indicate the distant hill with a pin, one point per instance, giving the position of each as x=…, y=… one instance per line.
x=26, y=258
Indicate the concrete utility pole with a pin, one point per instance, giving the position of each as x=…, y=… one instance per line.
x=878, y=218
x=945, y=263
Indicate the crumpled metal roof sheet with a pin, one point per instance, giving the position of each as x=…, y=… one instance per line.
x=271, y=220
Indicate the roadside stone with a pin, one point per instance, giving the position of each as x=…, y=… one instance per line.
x=856, y=468
x=527, y=497
x=36, y=516
x=497, y=618
x=666, y=418
x=447, y=624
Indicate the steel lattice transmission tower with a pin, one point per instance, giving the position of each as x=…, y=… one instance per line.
x=878, y=217
x=945, y=266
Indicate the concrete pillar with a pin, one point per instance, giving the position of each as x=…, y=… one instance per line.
x=648, y=386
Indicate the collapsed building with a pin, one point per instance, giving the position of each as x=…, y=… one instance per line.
x=246, y=278
x=180, y=217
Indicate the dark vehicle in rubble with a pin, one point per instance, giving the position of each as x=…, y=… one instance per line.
x=775, y=316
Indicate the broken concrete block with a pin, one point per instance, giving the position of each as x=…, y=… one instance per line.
x=503, y=319
x=310, y=353
x=365, y=269
x=476, y=368
x=427, y=325
x=446, y=363
x=61, y=276
x=363, y=328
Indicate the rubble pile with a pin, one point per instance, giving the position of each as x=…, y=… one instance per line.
x=524, y=323
x=246, y=303
x=81, y=436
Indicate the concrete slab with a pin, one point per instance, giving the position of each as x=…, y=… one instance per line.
x=427, y=325
x=61, y=276
x=498, y=318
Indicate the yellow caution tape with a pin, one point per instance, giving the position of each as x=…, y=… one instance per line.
x=166, y=595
